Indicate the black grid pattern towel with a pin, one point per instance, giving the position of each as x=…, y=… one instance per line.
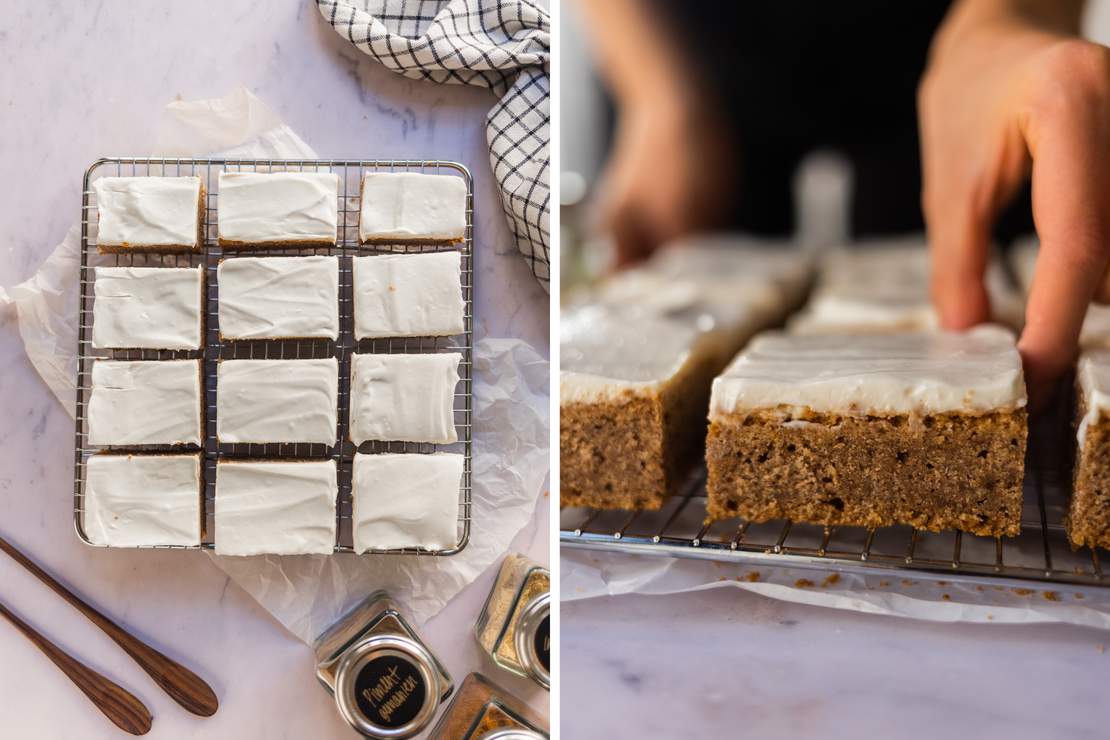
x=499, y=44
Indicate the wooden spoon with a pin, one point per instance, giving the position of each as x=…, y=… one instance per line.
x=183, y=686
x=126, y=712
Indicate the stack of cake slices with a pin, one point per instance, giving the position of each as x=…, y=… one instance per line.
x=1088, y=519
x=639, y=358
x=144, y=486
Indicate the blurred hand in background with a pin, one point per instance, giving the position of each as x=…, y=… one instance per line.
x=1011, y=91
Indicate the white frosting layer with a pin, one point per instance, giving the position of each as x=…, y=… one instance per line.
x=402, y=206
x=148, y=211
x=277, y=400
x=976, y=372
x=734, y=258
x=279, y=297
x=142, y=500
x=260, y=208
x=406, y=398
x=409, y=295
x=145, y=403
x=147, y=308
x=406, y=501
x=275, y=507
x=1093, y=374
x=605, y=354
x=886, y=288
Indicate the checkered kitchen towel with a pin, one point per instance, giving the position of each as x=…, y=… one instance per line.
x=499, y=44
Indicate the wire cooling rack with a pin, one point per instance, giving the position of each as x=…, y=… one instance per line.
x=350, y=174
x=1040, y=554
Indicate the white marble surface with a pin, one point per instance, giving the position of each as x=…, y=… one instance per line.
x=91, y=81
x=727, y=662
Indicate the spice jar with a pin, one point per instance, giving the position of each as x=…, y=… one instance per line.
x=514, y=627
x=482, y=710
x=386, y=682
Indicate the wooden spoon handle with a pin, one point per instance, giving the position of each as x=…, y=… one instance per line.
x=126, y=712
x=184, y=686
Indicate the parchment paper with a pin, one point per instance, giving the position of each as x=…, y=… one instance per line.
x=510, y=417
x=588, y=574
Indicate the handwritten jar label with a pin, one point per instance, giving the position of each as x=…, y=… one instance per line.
x=389, y=691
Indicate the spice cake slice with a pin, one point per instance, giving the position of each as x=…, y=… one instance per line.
x=924, y=429
x=1088, y=520
x=633, y=394
x=149, y=214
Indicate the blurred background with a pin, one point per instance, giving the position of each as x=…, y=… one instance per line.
x=823, y=166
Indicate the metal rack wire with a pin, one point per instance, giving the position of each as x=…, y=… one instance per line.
x=350, y=174
x=1040, y=554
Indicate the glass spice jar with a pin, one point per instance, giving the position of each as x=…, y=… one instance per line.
x=386, y=682
x=514, y=627
x=482, y=710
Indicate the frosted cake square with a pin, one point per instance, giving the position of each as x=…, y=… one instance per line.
x=142, y=500
x=633, y=392
x=153, y=214
x=290, y=401
x=404, y=398
x=922, y=429
x=412, y=207
x=278, y=208
x=145, y=402
x=275, y=507
x=409, y=295
x=279, y=297
x=1088, y=520
x=406, y=501
x=148, y=308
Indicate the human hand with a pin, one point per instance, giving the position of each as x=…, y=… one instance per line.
x=669, y=175
x=1007, y=94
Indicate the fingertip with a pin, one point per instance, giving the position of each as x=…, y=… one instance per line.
x=961, y=301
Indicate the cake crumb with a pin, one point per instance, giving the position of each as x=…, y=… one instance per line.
x=749, y=577
x=908, y=582
x=979, y=588
x=942, y=583
x=1023, y=591
x=990, y=617
x=830, y=579
x=884, y=583
x=1078, y=596
x=946, y=597
x=1051, y=596
x=803, y=583
x=1101, y=648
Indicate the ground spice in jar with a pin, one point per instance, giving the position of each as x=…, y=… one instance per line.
x=481, y=708
x=514, y=627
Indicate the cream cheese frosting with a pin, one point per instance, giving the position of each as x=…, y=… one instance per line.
x=605, y=354
x=406, y=501
x=148, y=211
x=142, y=500
x=279, y=297
x=277, y=207
x=272, y=507
x=1093, y=374
x=978, y=371
x=405, y=398
x=409, y=295
x=885, y=287
x=264, y=401
x=148, y=308
x=145, y=402
x=407, y=206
